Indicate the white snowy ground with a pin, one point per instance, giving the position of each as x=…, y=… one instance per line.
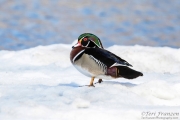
x=41, y=84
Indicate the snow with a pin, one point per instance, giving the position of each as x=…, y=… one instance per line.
x=41, y=83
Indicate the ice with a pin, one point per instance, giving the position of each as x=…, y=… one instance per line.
x=41, y=83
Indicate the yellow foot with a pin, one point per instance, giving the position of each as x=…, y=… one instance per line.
x=91, y=83
x=87, y=85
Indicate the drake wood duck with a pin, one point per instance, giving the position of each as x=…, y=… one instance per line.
x=90, y=58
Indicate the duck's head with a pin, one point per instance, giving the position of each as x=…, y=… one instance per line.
x=88, y=40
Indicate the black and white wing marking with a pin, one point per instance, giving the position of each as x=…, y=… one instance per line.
x=105, y=57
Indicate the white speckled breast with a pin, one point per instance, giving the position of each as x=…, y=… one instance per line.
x=88, y=66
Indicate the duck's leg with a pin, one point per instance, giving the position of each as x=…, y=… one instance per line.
x=91, y=83
x=99, y=81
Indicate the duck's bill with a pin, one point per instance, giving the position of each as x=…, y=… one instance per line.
x=76, y=45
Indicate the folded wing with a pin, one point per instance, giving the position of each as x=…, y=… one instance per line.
x=106, y=57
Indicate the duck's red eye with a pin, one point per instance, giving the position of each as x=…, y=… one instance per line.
x=85, y=39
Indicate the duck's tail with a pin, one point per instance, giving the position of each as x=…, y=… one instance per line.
x=123, y=71
x=127, y=72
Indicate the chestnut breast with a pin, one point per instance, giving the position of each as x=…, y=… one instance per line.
x=74, y=52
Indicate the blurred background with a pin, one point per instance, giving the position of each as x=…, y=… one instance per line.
x=29, y=23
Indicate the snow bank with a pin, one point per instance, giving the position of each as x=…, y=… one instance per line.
x=41, y=83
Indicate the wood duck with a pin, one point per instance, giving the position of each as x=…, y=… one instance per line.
x=90, y=58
